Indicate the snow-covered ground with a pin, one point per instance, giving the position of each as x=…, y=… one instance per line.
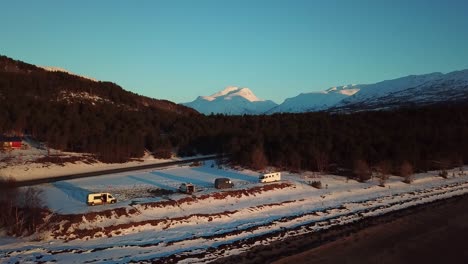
x=31, y=162
x=142, y=227
x=68, y=197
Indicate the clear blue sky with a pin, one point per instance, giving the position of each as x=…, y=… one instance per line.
x=177, y=50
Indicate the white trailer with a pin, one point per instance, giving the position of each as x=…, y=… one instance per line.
x=270, y=177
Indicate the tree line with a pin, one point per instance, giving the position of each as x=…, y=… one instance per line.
x=125, y=125
x=426, y=137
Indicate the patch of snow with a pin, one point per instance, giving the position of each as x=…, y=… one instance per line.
x=70, y=97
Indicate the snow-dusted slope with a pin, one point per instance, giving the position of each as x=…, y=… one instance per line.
x=315, y=101
x=57, y=69
x=231, y=101
x=410, y=90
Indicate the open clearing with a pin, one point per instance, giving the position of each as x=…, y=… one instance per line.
x=147, y=225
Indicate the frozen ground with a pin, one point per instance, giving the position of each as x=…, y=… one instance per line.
x=34, y=162
x=211, y=223
x=67, y=197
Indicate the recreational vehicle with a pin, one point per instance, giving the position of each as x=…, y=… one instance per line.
x=270, y=177
x=100, y=198
x=187, y=188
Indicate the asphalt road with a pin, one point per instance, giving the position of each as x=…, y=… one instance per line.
x=111, y=171
x=433, y=233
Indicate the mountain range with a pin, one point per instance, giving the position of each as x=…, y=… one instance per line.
x=315, y=101
x=426, y=89
x=411, y=90
x=60, y=85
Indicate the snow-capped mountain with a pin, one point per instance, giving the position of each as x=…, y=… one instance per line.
x=232, y=101
x=410, y=90
x=315, y=101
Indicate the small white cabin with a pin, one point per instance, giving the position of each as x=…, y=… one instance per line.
x=270, y=177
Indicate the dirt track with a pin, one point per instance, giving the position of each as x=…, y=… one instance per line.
x=432, y=233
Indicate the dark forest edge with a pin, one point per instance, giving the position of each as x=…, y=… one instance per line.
x=122, y=125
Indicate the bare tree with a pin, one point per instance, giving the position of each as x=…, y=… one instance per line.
x=362, y=170
x=21, y=211
x=258, y=159
x=384, y=168
x=406, y=171
x=33, y=205
x=321, y=160
x=459, y=164
x=8, y=196
x=442, y=166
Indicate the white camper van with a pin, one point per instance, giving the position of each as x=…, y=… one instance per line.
x=100, y=198
x=270, y=177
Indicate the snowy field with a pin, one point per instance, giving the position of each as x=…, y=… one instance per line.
x=69, y=197
x=33, y=162
x=209, y=224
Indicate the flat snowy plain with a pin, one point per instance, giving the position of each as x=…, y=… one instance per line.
x=211, y=223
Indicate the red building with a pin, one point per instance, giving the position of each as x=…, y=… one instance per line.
x=11, y=142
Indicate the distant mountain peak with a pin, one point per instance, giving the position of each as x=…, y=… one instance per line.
x=226, y=91
x=244, y=93
x=231, y=92
x=232, y=100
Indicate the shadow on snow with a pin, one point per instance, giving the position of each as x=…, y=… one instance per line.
x=227, y=174
x=154, y=183
x=182, y=179
x=72, y=191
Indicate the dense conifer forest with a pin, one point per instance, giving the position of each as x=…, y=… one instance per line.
x=71, y=113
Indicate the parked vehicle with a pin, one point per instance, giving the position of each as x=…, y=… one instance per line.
x=223, y=183
x=270, y=177
x=100, y=198
x=187, y=188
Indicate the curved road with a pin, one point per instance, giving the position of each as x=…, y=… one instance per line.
x=111, y=171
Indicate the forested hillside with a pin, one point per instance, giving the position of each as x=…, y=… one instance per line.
x=76, y=114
